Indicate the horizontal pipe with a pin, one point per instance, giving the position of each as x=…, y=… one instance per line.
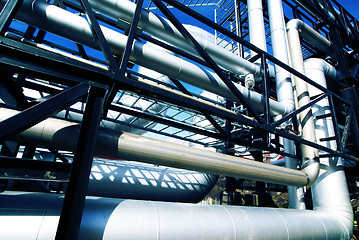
x=76, y=28
x=311, y=36
x=121, y=145
x=37, y=214
x=160, y=27
x=133, y=180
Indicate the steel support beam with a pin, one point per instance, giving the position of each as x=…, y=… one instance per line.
x=126, y=54
x=71, y=214
x=7, y=14
x=40, y=111
x=208, y=59
x=34, y=170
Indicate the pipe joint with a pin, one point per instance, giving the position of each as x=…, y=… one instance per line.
x=311, y=168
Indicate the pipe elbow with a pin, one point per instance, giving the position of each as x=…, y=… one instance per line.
x=295, y=24
x=321, y=65
x=311, y=169
x=289, y=107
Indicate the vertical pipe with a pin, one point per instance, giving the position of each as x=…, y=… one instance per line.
x=310, y=162
x=330, y=192
x=284, y=88
x=256, y=25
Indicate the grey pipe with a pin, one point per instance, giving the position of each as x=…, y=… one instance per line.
x=160, y=27
x=62, y=134
x=37, y=214
x=63, y=23
x=323, y=193
x=133, y=180
x=284, y=89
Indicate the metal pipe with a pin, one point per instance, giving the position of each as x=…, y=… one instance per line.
x=160, y=27
x=311, y=36
x=256, y=25
x=62, y=134
x=330, y=193
x=284, y=89
x=36, y=214
x=310, y=161
x=76, y=28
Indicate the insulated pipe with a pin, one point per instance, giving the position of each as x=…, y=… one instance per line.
x=280, y=51
x=63, y=135
x=329, y=192
x=310, y=162
x=311, y=36
x=256, y=27
x=37, y=214
x=133, y=180
x=284, y=88
x=160, y=27
x=76, y=28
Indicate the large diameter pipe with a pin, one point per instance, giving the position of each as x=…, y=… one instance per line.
x=37, y=214
x=76, y=28
x=331, y=191
x=133, y=180
x=63, y=135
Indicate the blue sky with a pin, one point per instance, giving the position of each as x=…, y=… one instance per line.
x=352, y=6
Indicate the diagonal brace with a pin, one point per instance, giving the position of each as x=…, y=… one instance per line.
x=208, y=59
x=40, y=111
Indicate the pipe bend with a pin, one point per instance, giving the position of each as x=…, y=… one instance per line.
x=321, y=65
x=296, y=24
x=311, y=169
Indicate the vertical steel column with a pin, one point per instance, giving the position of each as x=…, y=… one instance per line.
x=72, y=209
x=237, y=15
x=266, y=89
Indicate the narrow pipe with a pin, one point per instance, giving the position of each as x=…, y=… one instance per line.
x=312, y=36
x=280, y=51
x=310, y=163
x=284, y=89
x=120, y=145
x=76, y=28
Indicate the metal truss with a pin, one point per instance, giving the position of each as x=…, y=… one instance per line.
x=74, y=80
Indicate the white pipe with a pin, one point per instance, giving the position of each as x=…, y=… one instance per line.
x=162, y=28
x=330, y=192
x=280, y=51
x=306, y=124
x=284, y=88
x=311, y=36
x=120, y=145
x=37, y=215
x=63, y=23
x=256, y=25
